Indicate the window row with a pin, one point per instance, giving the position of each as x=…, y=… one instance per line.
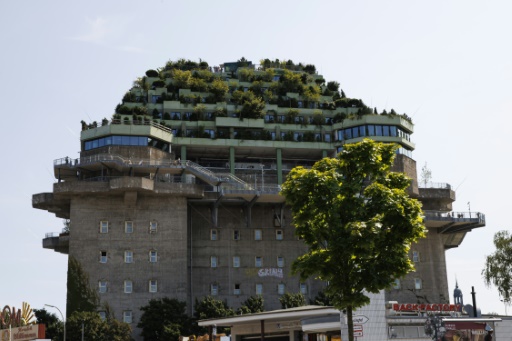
x=128, y=286
x=371, y=130
x=257, y=234
x=121, y=140
x=258, y=289
x=236, y=262
x=418, y=284
x=128, y=256
x=128, y=226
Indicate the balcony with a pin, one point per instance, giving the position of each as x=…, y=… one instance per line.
x=58, y=242
x=453, y=226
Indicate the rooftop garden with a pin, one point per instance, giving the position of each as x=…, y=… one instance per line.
x=238, y=89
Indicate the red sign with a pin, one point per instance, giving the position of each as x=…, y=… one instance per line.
x=464, y=325
x=358, y=333
x=426, y=307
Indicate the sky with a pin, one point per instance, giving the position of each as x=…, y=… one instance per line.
x=447, y=64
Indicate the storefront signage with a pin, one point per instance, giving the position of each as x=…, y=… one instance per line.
x=26, y=333
x=9, y=317
x=426, y=307
x=271, y=272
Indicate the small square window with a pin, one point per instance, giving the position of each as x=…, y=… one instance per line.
x=259, y=289
x=153, y=256
x=280, y=288
x=417, y=283
x=128, y=227
x=257, y=234
x=213, y=261
x=127, y=316
x=236, y=261
x=103, y=256
x=153, y=227
x=236, y=291
x=128, y=256
x=103, y=226
x=128, y=287
x=303, y=288
x=415, y=256
x=214, y=289
x=258, y=261
x=396, y=284
x=279, y=234
x=153, y=285
x=236, y=235
x=213, y=234
x=280, y=261
x=102, y=286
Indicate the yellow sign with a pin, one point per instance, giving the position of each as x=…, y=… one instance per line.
x=10, y=317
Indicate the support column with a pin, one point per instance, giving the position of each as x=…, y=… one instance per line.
x=324, y=153
x=279, y=159
x=183, y=153
x=232, y=160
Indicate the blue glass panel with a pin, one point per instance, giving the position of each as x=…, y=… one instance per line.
x=392, y=131
x=94, y=143
x=108, y=140
x=348, y=134
x=101, y=142
x=116, y=140
x=378, y=130
x=385, y=130
x=362, y=131
x=88, y=145
x=134, y=141
x=355, y=132
x=371, y=130
x=125, y=140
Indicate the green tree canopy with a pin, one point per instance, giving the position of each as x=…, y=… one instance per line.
x=95, y=328
x=358, y=221
x=498, y=266
x=209, y=308
x=289, y=300
x=164, y=319
x=54, y=326
x=80, y=296
x=253, y=304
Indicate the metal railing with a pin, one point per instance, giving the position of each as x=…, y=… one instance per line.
x=439, y=185
x=455, y=215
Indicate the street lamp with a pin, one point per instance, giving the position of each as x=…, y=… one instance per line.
x=63, y=320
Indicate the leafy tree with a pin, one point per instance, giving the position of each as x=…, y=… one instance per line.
x=80, y=296
x=289, y=300
x=322, y=299
x=209, y=308
x=54, y=326
x=498, y=266
x=95, y=328
x=358, y=221
x=253, y=304
x=219, y=89
x=182, y=78
x=164, y=319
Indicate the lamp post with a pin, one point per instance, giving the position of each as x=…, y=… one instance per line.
x=63, y=320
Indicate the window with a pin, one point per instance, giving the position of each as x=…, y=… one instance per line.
x=214, y=289
x=128, y=256
x=259, y=289
x=128, y=287
x=280, y=289
x=417, y=283
x=303, y=288
x=213, y=234
x=279, y=234
x=258, y=262
x=415, y=256
x=127, y=316
x=103, y=226
x=103, y=256
x=103, y=315
x=213, y=261
x=153, y=256
x=396, y=284
x=153, y=226
x=236, y=261
x=153, y=285
x=280, y=261
x=257, y=234
x=236, y=291
x=236, y=235
x=128, y=226
x=102, y=286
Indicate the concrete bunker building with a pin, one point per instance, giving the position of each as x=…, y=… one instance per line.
x=178, y=194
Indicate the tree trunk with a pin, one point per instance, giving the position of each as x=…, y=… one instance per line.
x=350, y=324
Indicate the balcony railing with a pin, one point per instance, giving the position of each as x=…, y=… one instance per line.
x=454, y=216
x=438, y=185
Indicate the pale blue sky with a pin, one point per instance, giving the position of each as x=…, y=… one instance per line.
x=447, y=64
